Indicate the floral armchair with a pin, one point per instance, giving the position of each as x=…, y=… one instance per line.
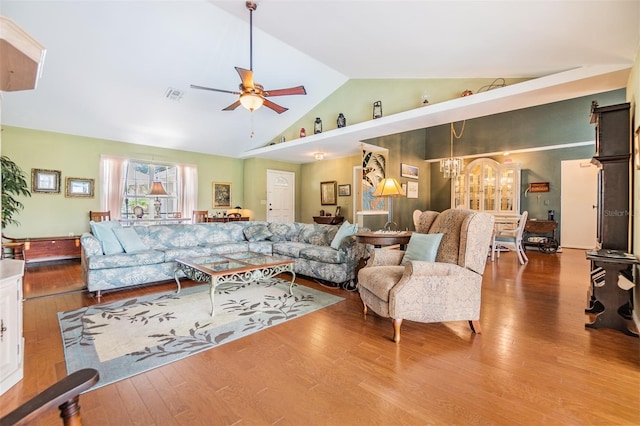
x=447, y=289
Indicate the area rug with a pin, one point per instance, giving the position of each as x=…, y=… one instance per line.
x=128, y=337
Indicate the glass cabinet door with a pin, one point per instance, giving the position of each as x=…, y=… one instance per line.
x=507, y=188
x=475, y=187
x=489, y=188
x=458, y=198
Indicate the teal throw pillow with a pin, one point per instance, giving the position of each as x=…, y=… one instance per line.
x=422, y=247
x=257, y=233
x=103, y=231
x=346, y=230
x=130, y=240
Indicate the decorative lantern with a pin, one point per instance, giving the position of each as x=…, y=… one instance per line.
x=342, y=122
x=317, y=126
x=377, y=109
x=303, y=132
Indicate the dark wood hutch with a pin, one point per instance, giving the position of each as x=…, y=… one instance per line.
x=610, y=305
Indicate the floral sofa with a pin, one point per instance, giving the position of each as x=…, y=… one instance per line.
x=146, y=254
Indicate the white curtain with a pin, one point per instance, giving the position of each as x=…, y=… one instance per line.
x=188, y=189
x=112, y=171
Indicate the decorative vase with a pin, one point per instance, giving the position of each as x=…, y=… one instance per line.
x=317, y=126
x=377, y=109
x=303, y=132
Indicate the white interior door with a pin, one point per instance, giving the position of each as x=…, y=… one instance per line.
x=579, y=192
x=281, y=192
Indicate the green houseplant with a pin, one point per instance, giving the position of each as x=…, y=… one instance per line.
x=14, y=184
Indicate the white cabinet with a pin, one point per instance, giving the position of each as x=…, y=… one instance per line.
x=11, y=338
x=486, y=185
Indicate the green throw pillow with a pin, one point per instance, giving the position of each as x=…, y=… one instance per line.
x=422, y=247
x=346, y=230
x=130, y=240
x=103, y=231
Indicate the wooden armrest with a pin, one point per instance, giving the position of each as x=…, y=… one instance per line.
x=64, y=394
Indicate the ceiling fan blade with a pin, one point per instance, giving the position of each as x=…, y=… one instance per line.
x=233, y=106
x=299, y=90
x=247, y=77
x=277, y=108
x=193, y=86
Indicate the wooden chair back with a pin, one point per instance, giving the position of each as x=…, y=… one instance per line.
x=199, y=216
x=100, y=216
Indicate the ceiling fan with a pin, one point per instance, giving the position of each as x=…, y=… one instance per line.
x=252, y=94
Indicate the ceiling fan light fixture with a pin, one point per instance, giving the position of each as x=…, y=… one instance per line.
x=251, y=101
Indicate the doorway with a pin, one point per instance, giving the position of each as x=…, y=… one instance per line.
x=281, y=190
x=578, y=200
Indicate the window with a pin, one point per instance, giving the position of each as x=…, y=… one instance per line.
x=138, y=178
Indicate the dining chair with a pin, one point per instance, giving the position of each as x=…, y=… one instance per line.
x=199, y=216
x=100, y=216
x=511, y=239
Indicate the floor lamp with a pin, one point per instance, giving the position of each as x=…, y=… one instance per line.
x=158, y=191
x=389, y=187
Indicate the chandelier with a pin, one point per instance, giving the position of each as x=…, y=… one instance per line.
x=452, y=166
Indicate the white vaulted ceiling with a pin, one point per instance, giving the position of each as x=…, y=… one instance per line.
x=109, y=63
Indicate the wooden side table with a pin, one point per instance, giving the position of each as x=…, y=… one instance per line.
x=328, y=220
x=380, y=239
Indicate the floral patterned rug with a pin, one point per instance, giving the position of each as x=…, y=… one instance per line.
x=128, y=337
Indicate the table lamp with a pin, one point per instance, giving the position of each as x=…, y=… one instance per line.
x=158, y=191
x=389, y=187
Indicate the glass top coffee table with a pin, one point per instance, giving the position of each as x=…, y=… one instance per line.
x=241, y=267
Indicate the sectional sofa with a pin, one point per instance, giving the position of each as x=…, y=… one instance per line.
x=114, y=257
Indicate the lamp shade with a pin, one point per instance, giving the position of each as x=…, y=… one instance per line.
x=250, y=101
x=388, y=187
x=157, y=189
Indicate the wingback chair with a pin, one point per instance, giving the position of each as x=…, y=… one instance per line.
x=445, y=290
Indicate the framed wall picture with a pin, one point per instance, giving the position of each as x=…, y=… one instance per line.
x=412, y=189
x=344, y=190
x=328, y=193
x=45, y=181
x=79, y=187
x=221, y=195
x=408, y=171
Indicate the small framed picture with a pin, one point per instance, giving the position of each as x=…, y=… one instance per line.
x=221, y=195
x=408, y=171
x=344, y=190
x=412, y=190
x=79, y=187
x=45, y=181
x=328, y=193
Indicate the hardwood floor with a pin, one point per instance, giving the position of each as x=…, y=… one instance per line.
x=534, y=363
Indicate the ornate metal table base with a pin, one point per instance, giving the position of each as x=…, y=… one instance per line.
x=214, y=279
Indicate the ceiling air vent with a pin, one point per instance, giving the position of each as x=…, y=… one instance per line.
x=173, y=94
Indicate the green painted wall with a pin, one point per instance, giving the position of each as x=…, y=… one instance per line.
x=255, y=178
x=355, y=99
x=312, y=174
x=76, y=156
x=554, y=124
x=408, y=148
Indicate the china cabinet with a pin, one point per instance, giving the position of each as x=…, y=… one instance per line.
x=11, y=340
x=486, y=185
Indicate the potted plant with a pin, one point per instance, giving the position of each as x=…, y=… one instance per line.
x=14, y=184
